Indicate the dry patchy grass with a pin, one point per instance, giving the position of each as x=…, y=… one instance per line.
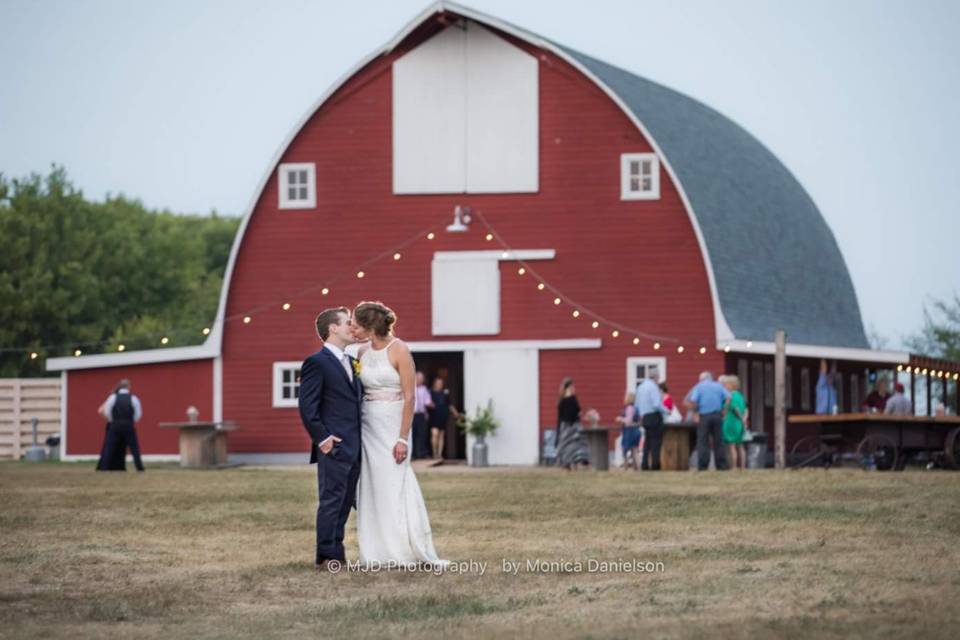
x=175, y=553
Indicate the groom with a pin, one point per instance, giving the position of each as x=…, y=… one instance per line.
x=330, y=393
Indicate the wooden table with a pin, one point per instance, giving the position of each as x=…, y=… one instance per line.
x=678, y=439
x=598, y=444
x=885, y=440
x=202, y=444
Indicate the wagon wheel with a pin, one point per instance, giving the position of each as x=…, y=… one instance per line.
x=881, y=449
x=951, y=449
x=809, y=452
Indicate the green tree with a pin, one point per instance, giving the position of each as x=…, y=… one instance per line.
x=940, y=336
x=82, y=274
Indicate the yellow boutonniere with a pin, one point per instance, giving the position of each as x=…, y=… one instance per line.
x=356, y=367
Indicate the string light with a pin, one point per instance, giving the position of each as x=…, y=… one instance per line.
x=505, y=253
x=956, y=376
x=749, y=344
x=726, y=348
x=121, y=347
x=924, y=372
x=899, y=367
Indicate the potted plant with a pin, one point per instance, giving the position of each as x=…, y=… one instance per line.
x=480, y=426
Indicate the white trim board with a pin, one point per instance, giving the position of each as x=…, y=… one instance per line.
x=434, y=346
x=515, y=254
x=131, y=358
x=147, y=457
x=816, y=351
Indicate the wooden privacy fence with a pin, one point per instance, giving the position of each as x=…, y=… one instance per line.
x=21, y=400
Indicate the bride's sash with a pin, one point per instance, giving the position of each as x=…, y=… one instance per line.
x=383, y=395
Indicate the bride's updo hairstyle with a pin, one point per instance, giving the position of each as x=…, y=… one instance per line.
x=376, y=317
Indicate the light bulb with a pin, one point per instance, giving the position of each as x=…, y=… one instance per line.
x=247, y=319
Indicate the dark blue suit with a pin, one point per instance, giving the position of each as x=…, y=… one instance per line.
x=330, y=406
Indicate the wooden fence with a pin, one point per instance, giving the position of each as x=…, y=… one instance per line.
x=21, y=400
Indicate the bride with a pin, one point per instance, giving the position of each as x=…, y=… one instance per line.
x=392, y=521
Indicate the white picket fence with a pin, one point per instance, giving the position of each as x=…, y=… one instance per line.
x=21, y=400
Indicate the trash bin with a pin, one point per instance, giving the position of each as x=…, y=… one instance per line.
x=757, y=451
x=53, y=447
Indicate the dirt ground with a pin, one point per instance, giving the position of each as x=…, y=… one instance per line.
x=173, y=553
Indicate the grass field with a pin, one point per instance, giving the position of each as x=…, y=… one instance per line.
x=172, y=553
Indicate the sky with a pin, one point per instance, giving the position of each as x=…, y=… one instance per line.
x=183, y=103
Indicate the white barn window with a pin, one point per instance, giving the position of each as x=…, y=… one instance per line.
x=465, y=294
x=286, y=384
x=639, y=368
x=297, y=185
x=639, y=176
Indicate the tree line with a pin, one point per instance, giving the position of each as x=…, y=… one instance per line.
x=75, y=273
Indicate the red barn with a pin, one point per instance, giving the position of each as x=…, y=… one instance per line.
x=664, y=236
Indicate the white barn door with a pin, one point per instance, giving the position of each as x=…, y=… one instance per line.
x=511, y=378
x=466, y=115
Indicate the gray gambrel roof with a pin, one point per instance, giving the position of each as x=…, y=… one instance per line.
x=775, y=260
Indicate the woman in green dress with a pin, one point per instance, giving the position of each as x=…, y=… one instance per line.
x=735, y=418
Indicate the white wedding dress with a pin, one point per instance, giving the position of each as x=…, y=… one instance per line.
x=392, y=521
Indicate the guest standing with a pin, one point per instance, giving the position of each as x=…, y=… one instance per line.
x=572, y=450
x=630, y=432
x=421, y=403
x=876, y=400
x=735, y=418
x=898, y=405
x=123, y=410
x=440, y=415
x=707, y=399
x=826, y=391
x=650, y=408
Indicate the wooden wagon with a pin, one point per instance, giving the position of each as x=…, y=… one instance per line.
x=877, y=441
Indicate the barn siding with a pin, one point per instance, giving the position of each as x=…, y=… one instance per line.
x=165, y=391
x=636, y=262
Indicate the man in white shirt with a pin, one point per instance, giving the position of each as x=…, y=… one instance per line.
x=122, y=410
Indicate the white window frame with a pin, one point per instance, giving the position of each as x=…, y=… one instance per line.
x=283, y=183
x=626, y=193
x=634, y=361
x=279, y=402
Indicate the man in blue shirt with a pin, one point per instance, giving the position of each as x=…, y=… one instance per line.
x=650, y=409
x=708, y=398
